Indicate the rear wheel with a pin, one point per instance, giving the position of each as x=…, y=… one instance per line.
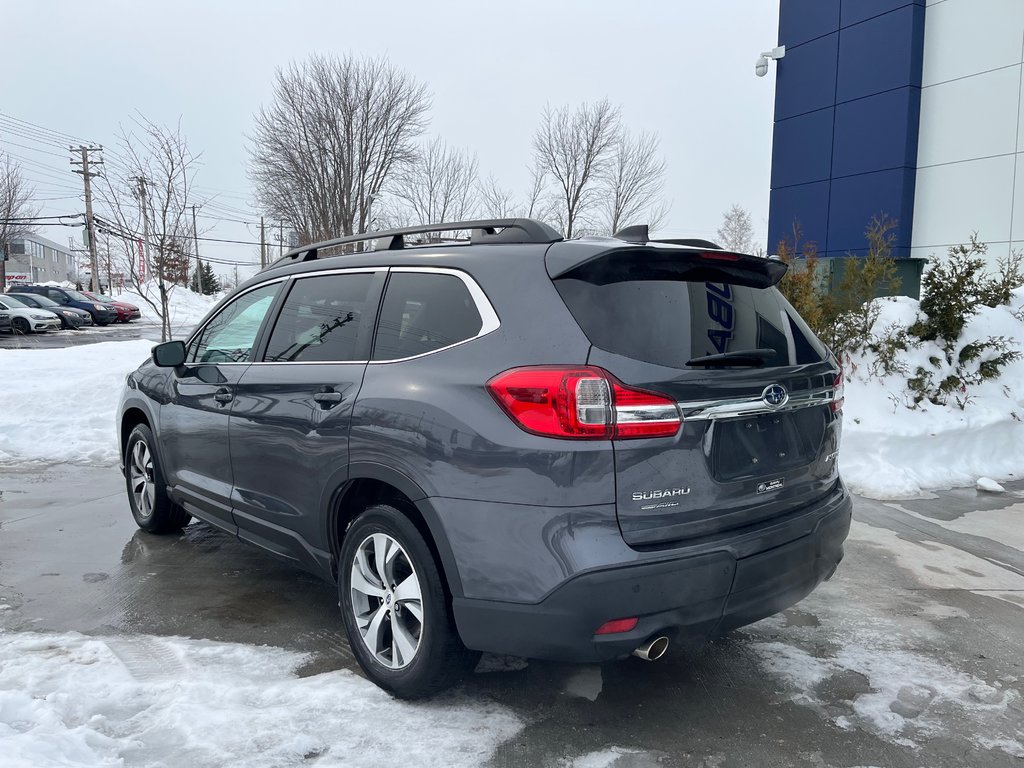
x=396, y=612
x=152, y=508
x=20, y=325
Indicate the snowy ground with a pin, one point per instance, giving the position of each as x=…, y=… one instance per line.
x=200, y=650
x=68, y=699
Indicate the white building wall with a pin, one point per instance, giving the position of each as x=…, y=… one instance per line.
x=970, y=169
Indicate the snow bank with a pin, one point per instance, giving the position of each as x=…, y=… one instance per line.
x=68, y=699
x=187, y=308
x=58, y=405
x=892, y=451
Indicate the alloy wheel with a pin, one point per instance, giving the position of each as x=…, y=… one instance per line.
x=387, y=601
x=141, y=473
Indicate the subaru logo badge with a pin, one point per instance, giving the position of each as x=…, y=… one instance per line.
x=775, y=396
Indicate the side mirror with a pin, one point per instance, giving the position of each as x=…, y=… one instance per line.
x=170, y=354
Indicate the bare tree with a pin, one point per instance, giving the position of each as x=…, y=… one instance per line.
x=438, y=185
x=636, y=183
x=149, y=193
x=737, y=230
x=335, y=133
x=16, y=209
x=495, y=200
x=575, y=149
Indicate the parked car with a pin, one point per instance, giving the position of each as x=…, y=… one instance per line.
x=102, y=314
x=5, y=322
x=26, y=319
x=574, y=450
x=125, y=312
x=70, y=317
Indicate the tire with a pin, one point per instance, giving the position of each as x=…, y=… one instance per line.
x=438, y=659
x=152, y=508
x=20, y=325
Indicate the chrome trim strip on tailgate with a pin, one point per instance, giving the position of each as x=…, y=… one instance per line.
x=697, y=410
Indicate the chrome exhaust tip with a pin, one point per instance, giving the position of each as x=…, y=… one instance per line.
x=652, y=650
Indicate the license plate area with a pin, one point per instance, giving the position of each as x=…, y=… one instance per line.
x=765, y=444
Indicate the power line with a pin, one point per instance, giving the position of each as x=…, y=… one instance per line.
x=31, y=149
x=66, y=137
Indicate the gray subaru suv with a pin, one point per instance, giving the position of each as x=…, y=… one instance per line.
x=562, y=449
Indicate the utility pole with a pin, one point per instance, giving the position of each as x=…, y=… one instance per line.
x=90, y=227
x=280, y=240
x=263, y=244
x=199, y=264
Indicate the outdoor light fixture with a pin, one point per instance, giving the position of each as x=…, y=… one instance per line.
x=761, y=67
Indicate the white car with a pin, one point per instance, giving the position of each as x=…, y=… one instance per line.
x=26, y=319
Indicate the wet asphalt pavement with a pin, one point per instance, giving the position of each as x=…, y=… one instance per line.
x=913, y=655
x=137, y=329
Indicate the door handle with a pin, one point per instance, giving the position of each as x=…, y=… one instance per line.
x=223, y=395
x=327, y=397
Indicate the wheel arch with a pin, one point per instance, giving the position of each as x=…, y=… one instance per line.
x=132, y=415
x=369, y=483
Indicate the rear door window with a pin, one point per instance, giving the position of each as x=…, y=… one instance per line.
x=424, y=312
x=668, y=322
x=321, y=320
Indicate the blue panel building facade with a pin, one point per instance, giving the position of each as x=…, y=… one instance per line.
x=847, y=112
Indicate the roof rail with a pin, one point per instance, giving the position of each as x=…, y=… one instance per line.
x=483, y=231
x=640, y=234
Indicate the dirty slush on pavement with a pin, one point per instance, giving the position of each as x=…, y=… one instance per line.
x=911, y=655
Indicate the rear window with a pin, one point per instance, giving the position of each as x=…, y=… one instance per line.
x=668, y=322
x=423, y=312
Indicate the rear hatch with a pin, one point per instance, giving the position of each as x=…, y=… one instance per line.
x=758, y=393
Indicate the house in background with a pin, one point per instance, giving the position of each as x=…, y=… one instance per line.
x=905, y=108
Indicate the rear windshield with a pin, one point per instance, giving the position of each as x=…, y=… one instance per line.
x=668, y=322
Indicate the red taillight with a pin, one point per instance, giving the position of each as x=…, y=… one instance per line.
x=582, y=403
x=838, y=391
x=617, y=625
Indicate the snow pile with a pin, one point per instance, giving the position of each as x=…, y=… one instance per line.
x=59, y=405
x=67, y=699
x=892, y=451
x=187, y=307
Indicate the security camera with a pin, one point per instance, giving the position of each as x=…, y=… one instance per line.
x=761, y=67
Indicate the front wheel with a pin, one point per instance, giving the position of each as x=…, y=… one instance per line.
x=152, y=508
x=21, y=325
x=396, y=612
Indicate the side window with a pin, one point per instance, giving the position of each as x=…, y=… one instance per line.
x=57, y=296
x=230, y=335
x=422, y=312
x=320, y=320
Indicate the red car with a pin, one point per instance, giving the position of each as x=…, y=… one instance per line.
x=125, y=312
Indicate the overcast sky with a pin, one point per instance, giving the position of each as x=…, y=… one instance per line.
x=681, y=68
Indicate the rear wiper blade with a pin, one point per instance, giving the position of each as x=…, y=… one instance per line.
x=754, y=357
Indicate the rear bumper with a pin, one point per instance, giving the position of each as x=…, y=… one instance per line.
x=690, y=598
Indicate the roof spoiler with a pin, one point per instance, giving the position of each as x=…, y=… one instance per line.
x=640, y=258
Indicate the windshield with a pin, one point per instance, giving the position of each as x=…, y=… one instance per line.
x=78, y=296
x=36, y=301
x=13, y=303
